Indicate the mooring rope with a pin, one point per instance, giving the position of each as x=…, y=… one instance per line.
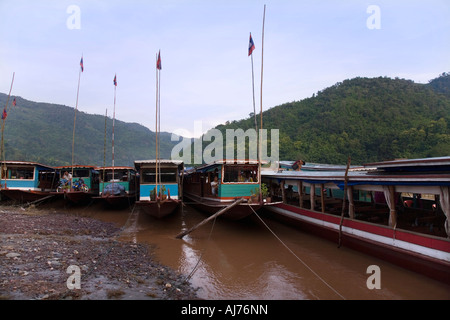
x=201, y=255
x=308, y=267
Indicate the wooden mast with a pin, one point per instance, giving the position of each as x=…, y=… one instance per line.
x=75, y=114
x=104, y=153
x=2, y=153
x=251, y=48
x=158, y=77
x=261, y=115
x=114, y=118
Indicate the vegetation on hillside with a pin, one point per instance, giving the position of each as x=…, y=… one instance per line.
x=368, y=119
x=43, y=132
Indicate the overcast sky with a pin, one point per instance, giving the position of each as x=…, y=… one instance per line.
x=206, y=74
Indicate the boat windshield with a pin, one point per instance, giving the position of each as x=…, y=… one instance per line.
x=19, y=173
x=81, y=173
x=240, y=173
x=119, y=175
x=168, y=175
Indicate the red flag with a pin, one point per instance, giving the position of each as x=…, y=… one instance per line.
x=115, y=80
x=14, y=102
x=158, y=63
x=81, y=64
x=251, y=45
x=4, y=114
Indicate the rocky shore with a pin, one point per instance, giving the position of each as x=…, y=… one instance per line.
x=63, y=256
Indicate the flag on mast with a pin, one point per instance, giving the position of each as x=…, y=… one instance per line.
x=251, y=45
x=158, y=63
x=4, y=114
x=14, y=102
x=115, y=80
x=81, y=64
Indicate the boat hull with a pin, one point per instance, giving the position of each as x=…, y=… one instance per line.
x=24, y=196
x=117, y=201
x=159, y=209
x=211, y=206
x=426, y=255
x=76, y=197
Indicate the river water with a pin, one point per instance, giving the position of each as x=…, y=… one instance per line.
x=253, y=260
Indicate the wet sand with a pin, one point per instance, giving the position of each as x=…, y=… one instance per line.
x=47, y=254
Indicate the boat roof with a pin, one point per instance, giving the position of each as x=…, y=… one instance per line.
x=163, y=162
x=437, y=173
x=229, y=161
x=441, y=163
x=315, y=166
x=115, y=167
x=27, y=163
x=76, y=166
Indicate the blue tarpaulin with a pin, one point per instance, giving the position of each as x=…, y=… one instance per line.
x=114, y=189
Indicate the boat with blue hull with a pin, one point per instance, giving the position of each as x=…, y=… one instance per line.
x=160, y=186
x=24, y=181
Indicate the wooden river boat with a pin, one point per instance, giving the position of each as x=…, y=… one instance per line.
x=395, y=210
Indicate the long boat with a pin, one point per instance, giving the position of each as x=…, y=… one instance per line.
x=83, y=185
x=23, y=181
x=235, y=179
x=159, y=194
x=396, y=210
x=118, y=185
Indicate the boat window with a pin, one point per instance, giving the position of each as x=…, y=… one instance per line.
x=19, y=173
x=46, y=175
x=119, y=175
x=81, y=173
x=167, y=175
x=233, y=173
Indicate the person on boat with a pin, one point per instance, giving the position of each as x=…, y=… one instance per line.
x=214, y=186
x=65, y=180
x=240, y=177
x=297, y=166
x=248, y=178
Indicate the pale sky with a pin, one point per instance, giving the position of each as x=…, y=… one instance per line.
x=206, y=71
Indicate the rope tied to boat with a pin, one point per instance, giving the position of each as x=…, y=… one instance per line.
x=292, y=252
x=201, y=255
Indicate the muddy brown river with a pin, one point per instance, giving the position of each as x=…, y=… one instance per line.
x=245, y=260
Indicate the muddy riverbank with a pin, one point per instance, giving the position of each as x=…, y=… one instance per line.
x=47, y=255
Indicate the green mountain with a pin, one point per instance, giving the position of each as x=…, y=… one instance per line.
x=43, y=132
x=441, y=84
x=368, y=119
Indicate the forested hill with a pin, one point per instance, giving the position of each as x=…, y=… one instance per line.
x=42, y=132
x=368, y=119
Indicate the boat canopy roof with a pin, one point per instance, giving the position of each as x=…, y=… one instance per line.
x=422, y=164
x=27, y=163
x=116, y=168
x=218, y=163
x=77, y=166
x=163, y=162
x=431, y=172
